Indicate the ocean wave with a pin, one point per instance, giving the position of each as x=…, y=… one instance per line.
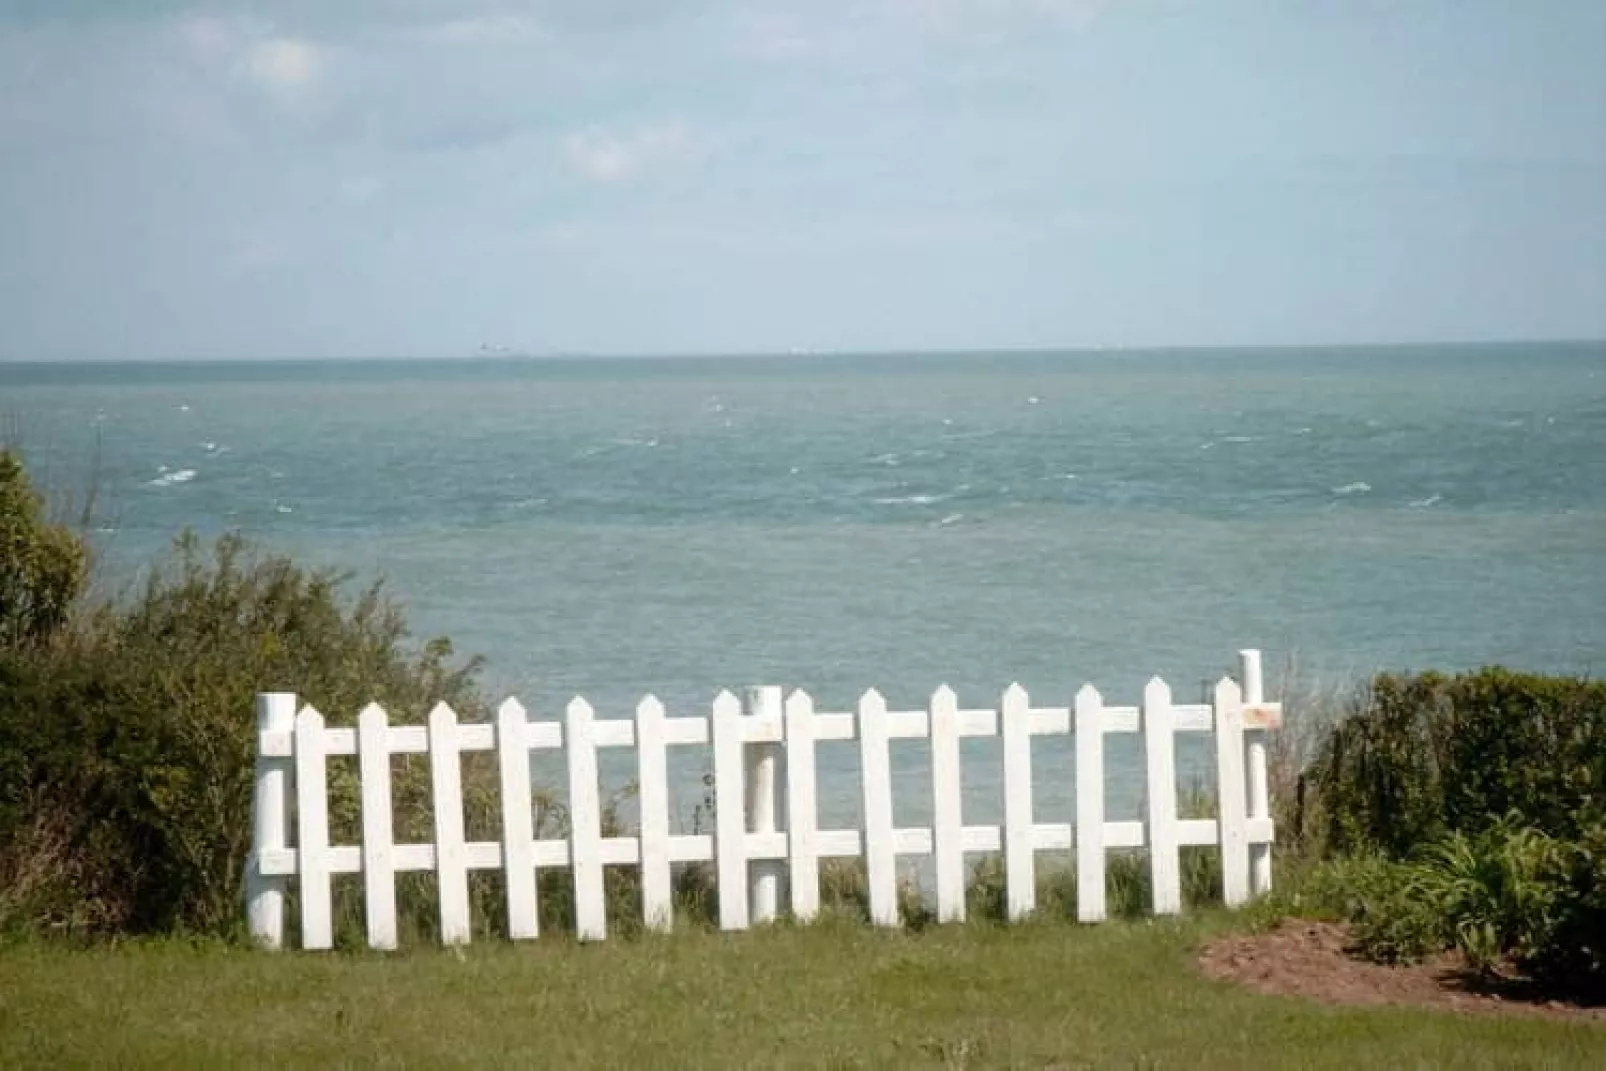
x=167, y=479
x=952, y=518
x=1424, y=503
x=912, y=500
x=1359, y=487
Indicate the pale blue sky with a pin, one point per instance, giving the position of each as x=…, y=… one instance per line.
x=308, y=178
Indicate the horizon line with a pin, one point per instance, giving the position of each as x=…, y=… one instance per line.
x=804, y=353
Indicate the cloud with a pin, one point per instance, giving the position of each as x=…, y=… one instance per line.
x=608, y=156
x=285, y=66
x=494, y=28
x=994, y=17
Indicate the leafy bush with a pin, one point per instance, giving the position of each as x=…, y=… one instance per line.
x=1510, y=897
x=127, y=749
x=1422, y=756
x=43, y=567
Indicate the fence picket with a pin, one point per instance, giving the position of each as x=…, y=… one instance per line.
x=1259, y=795
x=1231, y=804
x=765, y=765
x=378, y=828
x=1020, y=859
x=947, y=822
x=802, y=812
x=1159, y=741
x=1090, y=881
x=518, y=822
x=270, y=823
x=312, y=832
x=875, y=771
x=585, y=822
x=730, y=824
x=451, y=852
x=652, y=780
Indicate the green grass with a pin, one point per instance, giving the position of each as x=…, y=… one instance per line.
x=838, y=994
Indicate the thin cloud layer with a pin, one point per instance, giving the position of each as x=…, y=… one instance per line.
x=298, y=177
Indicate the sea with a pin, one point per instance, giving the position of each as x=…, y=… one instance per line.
x=613, y=527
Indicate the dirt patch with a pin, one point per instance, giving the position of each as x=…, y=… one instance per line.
x=1311, y=959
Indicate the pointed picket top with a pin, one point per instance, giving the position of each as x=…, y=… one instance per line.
x=1156, y=690
x=1015, y=695
x=944, y=696
x=1228, y=692
x=442, y=714
x=309, y=716
x=650, y=707
x=1088, y=694
x=726, y=703
x=872, y=698
x=579, y=708
x=512, y=708
x=799, y=702
x=373, y=712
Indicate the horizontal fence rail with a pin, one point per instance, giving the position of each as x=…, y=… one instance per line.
x=763, y=757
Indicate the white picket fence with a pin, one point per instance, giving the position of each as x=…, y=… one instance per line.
x=763, y=761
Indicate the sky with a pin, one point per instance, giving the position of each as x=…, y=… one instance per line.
x=302, y=178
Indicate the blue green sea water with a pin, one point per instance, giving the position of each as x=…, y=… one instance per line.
x=610, y=527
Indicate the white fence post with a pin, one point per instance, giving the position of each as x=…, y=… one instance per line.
x=802, y=811
x=451, y=851
x=518, y=820
x=270, y=822
x=312, y=832
x=1231, y=810
x=585, y=822
x=378, y=853
x=1020, y=849
x=1259, y=789
x=947, y=818
x=875, y=771
x=730, y=826
x=1088, y=725
x=652, y=779
x=1159, y=727
x=764, y=774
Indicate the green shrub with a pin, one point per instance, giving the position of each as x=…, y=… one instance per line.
x=1510, y=898
x=43, y=567
x=1422, y=756
x=127, y=749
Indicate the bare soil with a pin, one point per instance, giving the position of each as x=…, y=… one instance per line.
x=1313, y=960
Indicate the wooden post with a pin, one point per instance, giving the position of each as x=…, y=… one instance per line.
x=270, y=823
x=730, y=829
x=312, y=832
x=1088, y=725
x=802, y=810
x=585, y=822
x=947, y=810
x=1020, y=853
x=1160, y=748
x=1259, y=791
x=880, y=849
x=378, y=828
x=518, y=822
x=764, y=764
x=652, y=778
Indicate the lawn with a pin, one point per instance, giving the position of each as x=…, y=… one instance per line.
x=835, y=995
